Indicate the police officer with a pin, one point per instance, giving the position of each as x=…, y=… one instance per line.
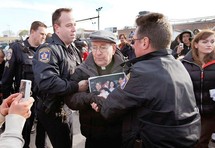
x=53, y=64
x=19, y=66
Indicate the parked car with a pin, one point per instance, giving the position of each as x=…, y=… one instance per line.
x=5, y=49
x=3, y=45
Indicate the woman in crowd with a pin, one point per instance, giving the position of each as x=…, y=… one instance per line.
x=125, y=48
x=200, y=64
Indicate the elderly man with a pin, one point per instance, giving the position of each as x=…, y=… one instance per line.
x=104, y=59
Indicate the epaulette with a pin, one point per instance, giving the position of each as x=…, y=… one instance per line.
x=23, y=47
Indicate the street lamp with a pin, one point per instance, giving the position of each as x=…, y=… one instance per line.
x=98, y=10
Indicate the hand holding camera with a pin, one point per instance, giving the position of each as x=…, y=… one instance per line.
x=180, y=48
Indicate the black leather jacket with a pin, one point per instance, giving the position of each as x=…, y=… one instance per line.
x=157, y=103
x=18, y=66
x=203, y=79
x=53, y=64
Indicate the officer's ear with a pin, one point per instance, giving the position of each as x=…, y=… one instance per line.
x=56, y=27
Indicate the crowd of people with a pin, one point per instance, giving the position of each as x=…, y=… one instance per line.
x=167, y=99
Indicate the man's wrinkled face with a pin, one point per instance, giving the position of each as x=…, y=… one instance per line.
x=103, y=52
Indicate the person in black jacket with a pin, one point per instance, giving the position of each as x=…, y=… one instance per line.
x=53, y=63
x=157, y=103
x=19, y=66
x=125, y=47
x=184, y=46
x=2, y=64
x=200, y=63
x=104, y=59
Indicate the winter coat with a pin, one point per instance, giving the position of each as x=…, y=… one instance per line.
x=157, y=103
x=203, y=79
x=93, y=125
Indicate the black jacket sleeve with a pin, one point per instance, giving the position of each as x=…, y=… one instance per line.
x=11, y=71
x=79, y=101
x=50, y=75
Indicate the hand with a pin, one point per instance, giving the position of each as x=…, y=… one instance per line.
x=4, y=108
x=21, y=108
x=95, y=107
x=83, y=85
x=179, y=49
x=97, y=103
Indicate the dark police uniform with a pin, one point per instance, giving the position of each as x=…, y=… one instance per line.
x=19, y=66
x=53, y=64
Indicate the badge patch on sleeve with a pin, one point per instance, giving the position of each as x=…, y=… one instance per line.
x=9, y=54
x=44, y=55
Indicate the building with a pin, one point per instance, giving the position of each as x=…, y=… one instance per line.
x=195, y=25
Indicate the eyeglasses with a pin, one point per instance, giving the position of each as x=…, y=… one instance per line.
x=141, y=39
x=136, y=39
x=101, y=48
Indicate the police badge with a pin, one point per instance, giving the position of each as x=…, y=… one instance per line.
x=44, y=55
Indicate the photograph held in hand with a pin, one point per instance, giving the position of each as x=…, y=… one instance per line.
x=25, y=89
x=105, y=84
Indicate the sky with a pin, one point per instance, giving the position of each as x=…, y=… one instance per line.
x=16, y=15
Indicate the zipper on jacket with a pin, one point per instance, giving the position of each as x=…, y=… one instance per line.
x=201, y=95
x=201, y=82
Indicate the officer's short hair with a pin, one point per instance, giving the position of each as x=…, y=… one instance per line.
x=56, y=15
x=36, y=24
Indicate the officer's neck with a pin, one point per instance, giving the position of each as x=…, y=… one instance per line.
x=32, y=43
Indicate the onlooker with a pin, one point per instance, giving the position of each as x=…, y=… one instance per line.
x=200, y=63
x=53, y=63
x=184, y=46
x=157, y=104
x=14, y=112
x=84, y=51
x=49, y=35
x=126, y=49
x=83, y=48
x=196, y=31
x=175, y=42
x=104, y=59
x=2, y=64
x=19, y=66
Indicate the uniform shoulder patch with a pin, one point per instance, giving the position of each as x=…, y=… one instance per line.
x=9, y=54
x=44, y=54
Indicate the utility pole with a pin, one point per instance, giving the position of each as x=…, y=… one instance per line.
x=98, y=10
